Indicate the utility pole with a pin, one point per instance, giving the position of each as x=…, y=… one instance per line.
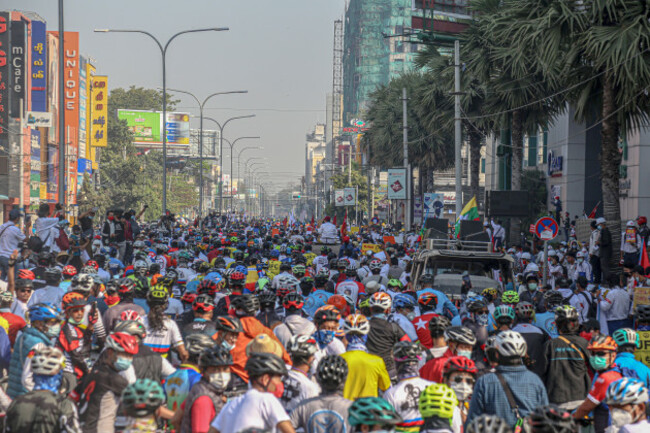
x=405, y=139
x=457, y=130
x=62, y=143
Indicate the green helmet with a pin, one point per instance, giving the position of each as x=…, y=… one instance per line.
x=299, y=269
x=625, y=336
x=394, y=282
x=504, y=312
x=510, y=297
x=261, y=284
x=142, y=398
x=184, y=255
x=372, y=411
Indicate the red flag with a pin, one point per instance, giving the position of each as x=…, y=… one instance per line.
x=644, y=261
x=284, y=222
x=344, y=223
x=334, y=222
x=593, y=212
x=312, y=221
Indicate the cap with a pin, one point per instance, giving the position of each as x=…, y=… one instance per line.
x=264, y=344
x=15, y=213
x=631, y=223
x=600, y=220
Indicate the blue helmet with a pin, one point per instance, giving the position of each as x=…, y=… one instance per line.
x=401, y=300
x=275, y=253
x=213, y=276
x=241, y=268
x=43, y=312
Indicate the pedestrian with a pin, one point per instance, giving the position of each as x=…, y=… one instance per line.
x=605, y=247
x=594, y=253
x=10, y=238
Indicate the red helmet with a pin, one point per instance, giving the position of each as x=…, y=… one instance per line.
x=122, y=342
x=73, y=300
x=428, y=299
x=69, y=271
x=130, y=315
x=26, y=274
x=237, y=277
x=459, y=364
x=338, y=301
x=293, y=300
x=207, y=287
x=92, y=263
x=642, y=220
x=203, y=302
x=188, y=297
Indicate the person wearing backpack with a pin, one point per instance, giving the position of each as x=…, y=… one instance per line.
x=582, y=301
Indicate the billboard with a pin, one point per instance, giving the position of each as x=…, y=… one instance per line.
x=52, y=77
x=39, y=67
x=349, y=196
x=71, y=105
x=434, y=203
x=339, y=199
x=397, y=184
x=98, y=110
x=83, y=105
x=35, y=167
x=146, y=127
x=17, y=68
x=4, y=77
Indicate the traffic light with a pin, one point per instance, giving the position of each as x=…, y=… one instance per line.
x=295, y=196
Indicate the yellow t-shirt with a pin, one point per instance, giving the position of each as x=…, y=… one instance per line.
x=310, y=258
x=366, y=374
x=252, y=275
x=274, y=268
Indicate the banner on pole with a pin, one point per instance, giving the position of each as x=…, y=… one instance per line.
x=339, y=199
x=435, y=203
x=350, y=196
x=397, y=184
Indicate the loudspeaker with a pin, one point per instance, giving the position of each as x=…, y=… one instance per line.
x=506, y=203
x=437, y=228
x=469, y=228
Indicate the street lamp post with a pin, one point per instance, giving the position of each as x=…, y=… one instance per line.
x=232, y=146
x=242, y=151
x=163, y=52
x=201, y=106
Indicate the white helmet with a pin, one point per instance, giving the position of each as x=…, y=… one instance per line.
x=381, y=300
x=510, y=344
x=140, y=264
x=138, y=244
x=626, y=391
x=580, y=254
x=526, y=256
x=48, y=361
x=357, y=323
x=82, y=283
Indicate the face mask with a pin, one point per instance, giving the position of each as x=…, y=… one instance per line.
x=279, y=390
x=227, y=345
x=482, y=319
x=111, y=300
x=466, y=353
x=75, y=322
x=110, y=218
x=581, y=260
x=532, y=286
x=220, y=380
x=323, y=337
x=600, y=227
x=598, y=363
x=620, y=417
x=53, y=330
x=410, y=316
x=122, y=364
x=463, y=390
x=49, y=383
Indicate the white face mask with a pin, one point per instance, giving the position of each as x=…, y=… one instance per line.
x=463, y=390
x=620, y=417
x=220, y=380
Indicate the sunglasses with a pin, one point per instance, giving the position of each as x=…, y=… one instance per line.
x=24, y=290
x=600, y=353
x=483, y=312
x=467, y=380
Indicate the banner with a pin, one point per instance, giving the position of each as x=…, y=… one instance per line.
x=417, y=210
x=39, y=67
x=52, y=77
x=397, y=184
x=18, y=57
x=5, y=81
x=39, y=119
x=643, y=353
x=349, y=196
x=339, y=199
x=370, y=247
x=98, y=111
x=641, y=296
x=147, y=126
x=178, y=128
x=71, y=105
x=35, y=167
x=434, y=203
x=83, y=111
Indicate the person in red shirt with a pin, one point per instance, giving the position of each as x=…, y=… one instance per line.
x=16, y=323
x=428, y=303
x=603, y=353
x=461, y=341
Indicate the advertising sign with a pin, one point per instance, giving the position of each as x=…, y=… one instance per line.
x=71, y=105
x=35, y=168
x=417, y=210
x=641, y=296
x=178, y=128
x=39, y=119
x=18, y=85
x=99, y=110
x=434, y=203
x=83, y=105
x=52, y=77
x=397, y=184
x=339, y=199
x=370, y=247
x=555, y=163
x=145, y=125
x=643, y=353
x=350, y=196
x=39, y=67
x=4, y=75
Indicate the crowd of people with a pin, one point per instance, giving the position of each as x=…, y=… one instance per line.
x=232, y=325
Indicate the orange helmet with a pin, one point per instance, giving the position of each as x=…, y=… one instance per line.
x=602, y=342
x=356, y=323
x=73, y=300
x=381, y=300
x=338, y=301
x=326, y=313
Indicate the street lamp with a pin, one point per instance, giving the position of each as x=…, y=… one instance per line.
x=242, y=151
x=163, y=52
x=232, y=146
x=221, y=128
x=201, y=106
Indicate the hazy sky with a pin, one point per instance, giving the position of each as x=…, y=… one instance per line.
x=280, y=51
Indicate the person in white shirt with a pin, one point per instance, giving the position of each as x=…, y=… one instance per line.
x=298, y=385
x=259, y=408
x=615, y=303
x=328, y=232
x=10, y=237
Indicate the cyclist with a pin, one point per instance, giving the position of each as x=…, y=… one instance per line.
x=140, y=402
x=372, y=414
x=294, y=323
x=44, y=409
x=459, y=374
x=268, y=314
x=297, y=384
x=404, y=306
x=51, y=293
x=535, y=337
x=437, y=327
x=460, y=342
x=504, y=318
x=180, y=383
x=367, y=371
x=126, y=292
x=443, y=306
x=546, y=320
x=489, y=424
x=427, y=303
x=350, y=286
x=404, y=395
x=375, y=266
x=330, y=408
x=532, y=293
x=437, y=403
x=603, y=353
x=74, y=341
x=551, y=419
x=628, y=341
x=162, y=332
x=16, y=322
x=383, y=334
x=326, y=319
x=203, y=309
x=259, y=407
x=628, y=401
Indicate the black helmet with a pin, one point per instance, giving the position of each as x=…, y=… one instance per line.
x=215, y=356
x=488, y=424
x=407, y=351
x=52, y=273
x=332, y=372
x=643, y=313
x=426, y=279
x=228, y=324
x=265, y=363
x=551, y=419
x=249, y=304
x=553, y=298
x=266, y=298
x=438, y=325
x=198, y=343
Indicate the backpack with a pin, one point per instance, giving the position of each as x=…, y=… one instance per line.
x=592, y=308
x=62, y=241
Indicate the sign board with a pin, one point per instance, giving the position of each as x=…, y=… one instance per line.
x=354, y=229
x=389, y=240
x=531, y=229
x=434, y=203
x=643, y=353
x=397, y=184
x=641, y=296
x=37, y=119
x=417, y=210
x=546, y=228
x=370, y=247
x=554, y=164
x=350, y=196
x=98, y=111
x=339, y=199
x=275, y=232
x=147, y=127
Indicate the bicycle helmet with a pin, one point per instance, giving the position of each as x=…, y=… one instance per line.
x=425, y=279
x=627, y=336
x=122, y=342
x=69, y=271
x=157, y=295
x=511, y=344
x=299, y=270
x=73, y=300
x=602, y=342
x=82, y=283
x=351, y=270
x=6, y=297
x=551, y=419
x=476, y=303
x=402, y=300
x=460, y=334
x=459, y=364
x=438, y=325
x=203, y=304
x=510, y=297
x=428, y=300
x=372, y=411
x=207, y=287
x=331, y=373
x=375, y=265
x=260, y=363
x=293, y=300
x=566, y=312
x=437, y=400
x=504, y=314
x=490, y=292
x=261, y=284
x=339, y=302
x=132, y=327
x=394, y=282
x=488, y=424
x=356, y=324
x=267, y=299
x=142, y=398
x=215, y=356
x=301, y=346
x=198, y=343
x=44, y=311
x=48, y=361
x=407, y=351
x=246, y=304
x=26, y=274
x=228, y=324
x=140, y=266
x=125, y=286
x=626, y=391
x=237, y=278
x=326, y=313
x=288, y=283
x=188, y=297
x=525, y=310
x=52, y=273
x=643, y=313
x=553, y=299
x=380, y=300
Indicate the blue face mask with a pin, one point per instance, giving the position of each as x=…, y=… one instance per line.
x=227, y=345
x=481, y=319
x=122, y=364
x=323, y=337
x=49, y=383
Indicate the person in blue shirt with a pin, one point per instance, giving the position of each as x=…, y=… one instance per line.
x=178, y=384
x=445, y=306
x=546, y=320
x=628, y=341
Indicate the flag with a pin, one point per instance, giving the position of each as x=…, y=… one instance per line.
x=593, y=212
x=643, y=260
x=334, y=222
x=312, y=220
x=284, y=222
x=292, y=219
x=344, y=224
x=469, y=213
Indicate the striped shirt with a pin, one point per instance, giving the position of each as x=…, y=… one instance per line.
x=162, y=340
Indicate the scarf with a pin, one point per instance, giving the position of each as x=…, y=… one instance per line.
x=357, y=342
x=49, y=383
